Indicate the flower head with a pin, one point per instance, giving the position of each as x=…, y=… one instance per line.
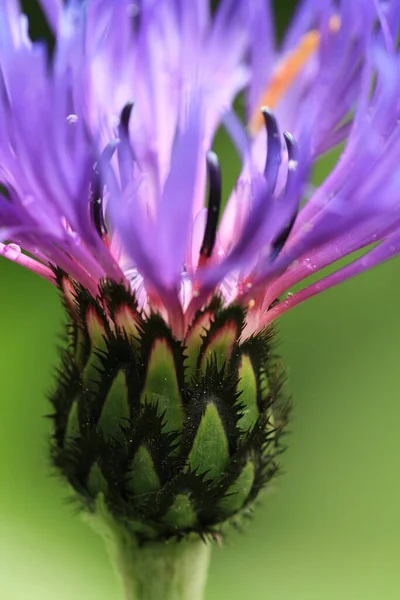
x=105, y=152
x=110, y=187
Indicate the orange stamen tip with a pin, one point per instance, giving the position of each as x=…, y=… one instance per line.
x=288, y=69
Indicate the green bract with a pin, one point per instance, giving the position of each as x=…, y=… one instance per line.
x=177, y=436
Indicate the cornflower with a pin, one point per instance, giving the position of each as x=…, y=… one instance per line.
x=168, y=410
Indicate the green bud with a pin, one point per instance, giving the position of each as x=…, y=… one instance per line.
x=96, y=483
x=144, y=479
x=181, y=515
x=177, y=436
x=161, y=385
x=239, y=490
x=210, y=451
x=116, y=408
x=222, y=338
x=247, y=388
x=194, y=341
x=72, y=428
x=97, y=333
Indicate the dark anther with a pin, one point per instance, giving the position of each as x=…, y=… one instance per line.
x=214, y=204
x=280, y=240
x=273, y=304
x=96, y=205
x=39, y=28
x=96, y=190
x=125, y=118
x=293, y=156
x=292, y=150
x=293, y=153
x=273, y=161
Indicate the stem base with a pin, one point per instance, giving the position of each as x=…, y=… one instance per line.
x=156, y=570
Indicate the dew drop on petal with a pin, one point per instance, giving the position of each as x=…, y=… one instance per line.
x=292, y=165
x=307, y=227
x=12, y=251
x=72, y=119
x=309, y=265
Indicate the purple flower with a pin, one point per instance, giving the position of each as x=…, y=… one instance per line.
x=105, y=148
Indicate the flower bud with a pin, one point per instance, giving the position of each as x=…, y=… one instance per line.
x=178, y=436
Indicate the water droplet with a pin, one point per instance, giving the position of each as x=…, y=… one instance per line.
x=309, y=265
x=72, y=119
x=292, y=165
x=12, y=251
x=306, y=227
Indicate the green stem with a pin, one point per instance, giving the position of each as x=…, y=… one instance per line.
x=173, y=570
x=163, y=571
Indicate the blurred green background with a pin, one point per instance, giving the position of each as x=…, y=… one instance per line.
x=330, y=526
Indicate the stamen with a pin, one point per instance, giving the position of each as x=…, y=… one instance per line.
x=125, y=152
x=97, y=209
x=214, y=205
x=289, y=69
x=279, y=242
x=96, y=191
x=125, y=118
x=273, y=161
x=293, y=155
